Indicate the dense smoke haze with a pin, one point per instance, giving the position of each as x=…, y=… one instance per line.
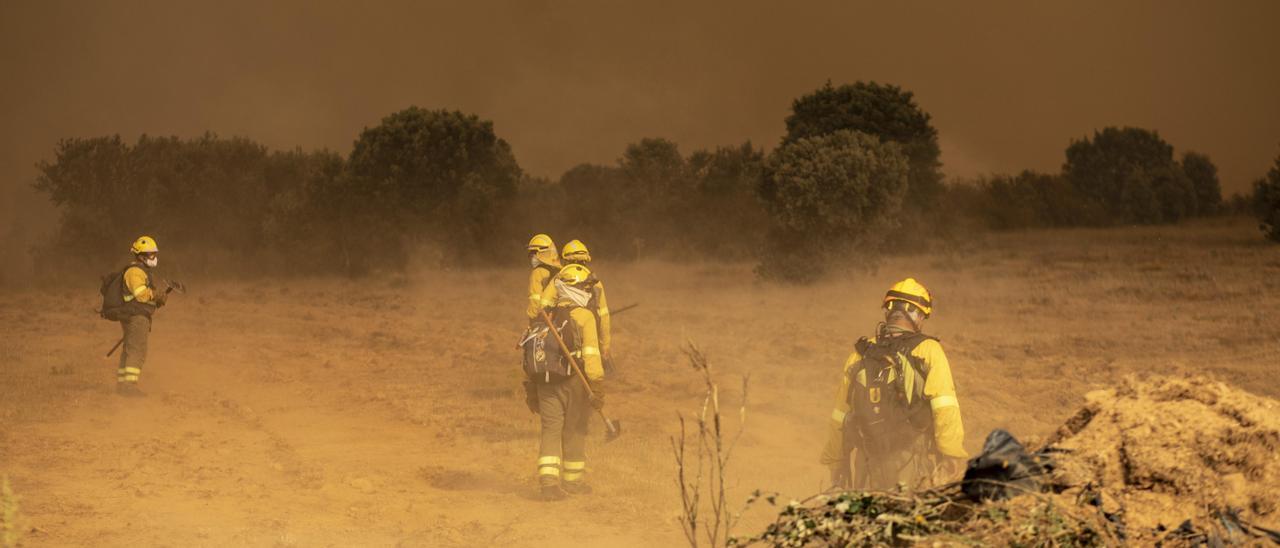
x=1008, y=83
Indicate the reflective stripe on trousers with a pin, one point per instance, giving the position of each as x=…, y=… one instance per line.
x=133, y=354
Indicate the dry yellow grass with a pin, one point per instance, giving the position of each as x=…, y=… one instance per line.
x=383, y=412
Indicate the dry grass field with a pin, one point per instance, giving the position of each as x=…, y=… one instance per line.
x=389, y=411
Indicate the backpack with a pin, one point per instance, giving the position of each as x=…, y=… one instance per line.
x=886, y=414
x=112, y=291
x=114, y=307
x=544, y=361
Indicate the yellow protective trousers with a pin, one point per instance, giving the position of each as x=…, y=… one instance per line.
x=565, y=411
x=136, y=329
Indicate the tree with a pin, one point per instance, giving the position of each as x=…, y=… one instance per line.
x=1266, y=202
x=598, y=209
x=885, y=111
x=1204, y=179
x=1131, y=174
x=441, y=170
x=208, y=193
x=725, y=182
x=655, y=206
x=827, y=195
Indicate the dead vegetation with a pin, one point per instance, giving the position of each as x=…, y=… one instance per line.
x=276, y=411
x=705, y=471
x=1156, y=460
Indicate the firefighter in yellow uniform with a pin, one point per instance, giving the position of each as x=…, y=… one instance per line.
x=140, y=299
x=896, y=410
x=545, y=263
x=575, y=252
x=563, y=404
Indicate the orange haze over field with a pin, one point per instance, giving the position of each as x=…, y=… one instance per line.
x=1008, y=83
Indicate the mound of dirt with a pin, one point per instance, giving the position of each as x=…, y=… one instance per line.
x=1161, y=451
x=1156, y=460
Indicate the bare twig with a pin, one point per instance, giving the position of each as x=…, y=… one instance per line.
x=714, y=452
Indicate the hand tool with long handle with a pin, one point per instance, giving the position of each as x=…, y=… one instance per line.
x=613, y=428
x=617, y=311
x=172, y=286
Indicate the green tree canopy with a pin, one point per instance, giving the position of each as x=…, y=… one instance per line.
x=1131, y=174
x=1204, y=179
x=885, y=111
x=221, y=198
x=441, y=170
x=1266, y=202
x=827, y=195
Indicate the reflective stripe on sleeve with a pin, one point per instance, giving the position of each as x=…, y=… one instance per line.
x=837, y=415
x=590, y=351
x=137, y=291
x=944, y=401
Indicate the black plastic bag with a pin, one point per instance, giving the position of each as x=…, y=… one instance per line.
x=1004, y=469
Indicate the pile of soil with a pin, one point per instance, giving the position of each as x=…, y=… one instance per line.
x=1161, y=451
x=1156, y=460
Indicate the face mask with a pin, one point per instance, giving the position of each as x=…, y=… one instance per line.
x=151, y=262
x=534, y=262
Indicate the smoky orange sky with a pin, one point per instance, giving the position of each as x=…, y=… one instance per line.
x=1009, y=84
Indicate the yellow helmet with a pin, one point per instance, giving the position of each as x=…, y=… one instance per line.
x=576, y=251
x=145, y=244
x=540, y=242
x=910, y=291
x=543, y=251
x=574, y=274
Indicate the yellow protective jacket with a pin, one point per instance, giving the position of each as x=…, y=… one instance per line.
x=939, y=389
x=539, y=279
x=137, y=285
x=551, y=297
x=588, y=351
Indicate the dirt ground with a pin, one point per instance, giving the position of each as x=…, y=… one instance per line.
x=389, y=412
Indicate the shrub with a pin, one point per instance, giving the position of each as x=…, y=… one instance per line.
x=439, y=173
x=1130, y=174
x=1266, y=202
x=828, y=195
x=230, y=202
x=1204, y=179
x=885, y=111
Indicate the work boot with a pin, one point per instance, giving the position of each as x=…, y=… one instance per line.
x=553, y=492
x=577, y=488
x=129, y=390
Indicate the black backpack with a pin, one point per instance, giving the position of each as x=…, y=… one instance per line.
x=114, y=307
x=882, y=417
x=112, y=291
x=544, y=361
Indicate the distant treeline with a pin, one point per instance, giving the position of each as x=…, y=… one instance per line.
x=857, y=172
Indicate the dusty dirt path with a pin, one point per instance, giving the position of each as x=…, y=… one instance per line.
x=388, y=412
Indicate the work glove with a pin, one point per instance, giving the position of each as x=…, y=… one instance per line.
x=597, y=395
x=160, y=297
x=531, y=396
x=607, y=361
